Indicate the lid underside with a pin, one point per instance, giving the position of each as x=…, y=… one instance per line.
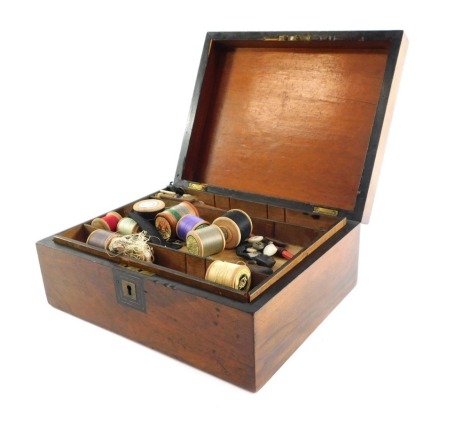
x=286, y=120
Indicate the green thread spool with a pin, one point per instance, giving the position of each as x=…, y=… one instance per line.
x=166, y=221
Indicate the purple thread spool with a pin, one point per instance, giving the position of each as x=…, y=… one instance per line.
x=187, y=223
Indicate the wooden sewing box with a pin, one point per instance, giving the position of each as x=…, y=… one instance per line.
x=289, y=127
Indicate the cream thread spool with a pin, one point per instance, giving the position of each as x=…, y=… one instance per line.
x=149, y=208
x=206, y=241
x=229, y=274
x=127, y=226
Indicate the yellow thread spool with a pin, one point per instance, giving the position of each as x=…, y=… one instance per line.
x=229, y=274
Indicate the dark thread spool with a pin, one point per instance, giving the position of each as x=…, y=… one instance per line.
x=108, y=222
x=101, y=238
x=236, y=225
x=187, y=223
x=207, y=241
x=166, y=221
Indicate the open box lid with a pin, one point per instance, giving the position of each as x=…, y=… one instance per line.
x=296, y=120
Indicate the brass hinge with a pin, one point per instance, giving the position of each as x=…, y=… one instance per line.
x=197, y=186
x=325, y=211
x=296, y=37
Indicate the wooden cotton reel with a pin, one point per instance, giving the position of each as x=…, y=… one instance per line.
x=166, y=221
x=108, y=222
x=101, y=238
x=127, y=226
x=189, y=222
x=205, y=241
x=236, y=276
x=236, y=226
x=149, y=208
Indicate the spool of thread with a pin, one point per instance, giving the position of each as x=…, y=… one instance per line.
x=167, y=220
x=189, y=222
x=149, y=208
x=127, y=226
x=108, y=222
x=207, y=241
x=154, y=235
x=101, y=238
x=236, y=225
x=229, y=274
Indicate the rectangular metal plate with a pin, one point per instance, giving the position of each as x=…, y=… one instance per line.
x=129, y=288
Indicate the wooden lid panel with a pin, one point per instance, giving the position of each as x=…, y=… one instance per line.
x=294, y=121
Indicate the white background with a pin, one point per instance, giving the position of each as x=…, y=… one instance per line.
x=94, y=97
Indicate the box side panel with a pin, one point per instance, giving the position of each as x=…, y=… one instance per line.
x=283, y=324
x=194, y=329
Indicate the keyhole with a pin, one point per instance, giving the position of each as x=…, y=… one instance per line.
x=129, y=290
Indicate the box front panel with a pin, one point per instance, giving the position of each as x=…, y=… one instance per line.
x=205, y=334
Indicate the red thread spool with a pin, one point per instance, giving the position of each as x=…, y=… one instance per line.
x=108, y=222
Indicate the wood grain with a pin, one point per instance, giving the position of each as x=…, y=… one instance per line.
x=274, y=128
x=204, y=333
x=292, y=123
x=292, y=315
x=242, y=343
